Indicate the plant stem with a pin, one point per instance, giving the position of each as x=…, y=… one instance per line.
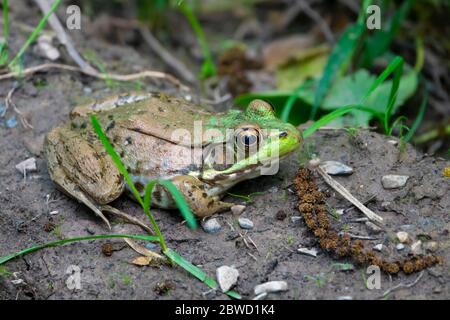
x=76, y=239
x=34, y=34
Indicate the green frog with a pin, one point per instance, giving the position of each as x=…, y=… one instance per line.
x=163, y=137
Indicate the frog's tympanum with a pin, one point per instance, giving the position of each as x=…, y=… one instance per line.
x=161, y=137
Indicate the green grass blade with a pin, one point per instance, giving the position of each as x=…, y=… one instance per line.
x=76, y=239
x=208, y=68
x=392, y=96
x=4, y=45
x=336, y=114
x=115, y=157
x=35, y=33
x=196, y=271
x=291, y=101
x=148, y=193
x=379, y=42
x=181, y=203
x=342, y=52
x=393, y=66
x=419, y=117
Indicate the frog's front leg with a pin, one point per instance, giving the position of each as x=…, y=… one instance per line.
x=194, y=191
x=80, y=170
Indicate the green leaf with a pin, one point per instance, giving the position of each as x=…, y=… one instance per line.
x=196, y=271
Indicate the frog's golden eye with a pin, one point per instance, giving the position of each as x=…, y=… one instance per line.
x=247, y=137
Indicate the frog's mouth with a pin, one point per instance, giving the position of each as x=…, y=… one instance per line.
x=263, y=161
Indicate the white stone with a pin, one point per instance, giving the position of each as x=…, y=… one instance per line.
x=431, y=246
x=245, y=223
x=227, y=277
x=271, y=286
x=400, y=246
x=237, y=209
x=416, y=247
x=310, y=252
x=378, y=247
x=393, y=181
x=46, y=49
x=212, y=225
x=402, y=236
x=336, y=168
x=27, y=165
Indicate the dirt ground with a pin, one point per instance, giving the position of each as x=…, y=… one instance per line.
x=421, y=208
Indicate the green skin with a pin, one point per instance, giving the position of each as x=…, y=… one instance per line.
x=140, y=127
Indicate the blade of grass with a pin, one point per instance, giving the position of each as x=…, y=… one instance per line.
x=197, y=272
x=419, y=117
x=34, y=34
x=392, y=97
x=75, y=239
x=181, y=203
x=336, y=114
x=208, y=67
x=115, y=157
x=339, y=57
x=392, y=67
x=4, y=45
x=291, y=101
x=379, y=42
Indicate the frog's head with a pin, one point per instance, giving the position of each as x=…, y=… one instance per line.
x=255, y=142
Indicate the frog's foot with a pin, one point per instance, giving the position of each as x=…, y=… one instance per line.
x=126, y=217
x=201, y=204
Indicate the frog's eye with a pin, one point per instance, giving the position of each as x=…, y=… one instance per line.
x=247, y=137
x=260, y=108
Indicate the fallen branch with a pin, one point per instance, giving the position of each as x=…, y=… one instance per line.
x=96, y=74
x=63, y=37
x=403, y=285
x=347, y=195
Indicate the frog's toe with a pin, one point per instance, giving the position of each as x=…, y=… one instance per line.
x=126, y=217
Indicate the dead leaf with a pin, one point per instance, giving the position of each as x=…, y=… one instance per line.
x=142, y=261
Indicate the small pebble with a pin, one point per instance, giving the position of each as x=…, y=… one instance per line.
x=296, y=219
x=150, y=245
x=271, y=286
x=227, y=277
x=393, y=181
x=245, y=223
x=400, y=246
x=402, y=236
x=310, y=252
x=416, y=247
x=373, y=228
x=336, y=168
x=340, y=212
x=11, y=122
x=211, y=225
x=378, y=247
x=345, y=298
x=431, y=246
x=393, y=142
x=237, y=209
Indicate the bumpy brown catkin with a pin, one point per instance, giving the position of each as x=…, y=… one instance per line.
x=312, y=207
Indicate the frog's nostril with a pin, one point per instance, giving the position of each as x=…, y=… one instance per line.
x=283, y=134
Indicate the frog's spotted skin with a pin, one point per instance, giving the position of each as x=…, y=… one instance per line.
x=155, y=136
